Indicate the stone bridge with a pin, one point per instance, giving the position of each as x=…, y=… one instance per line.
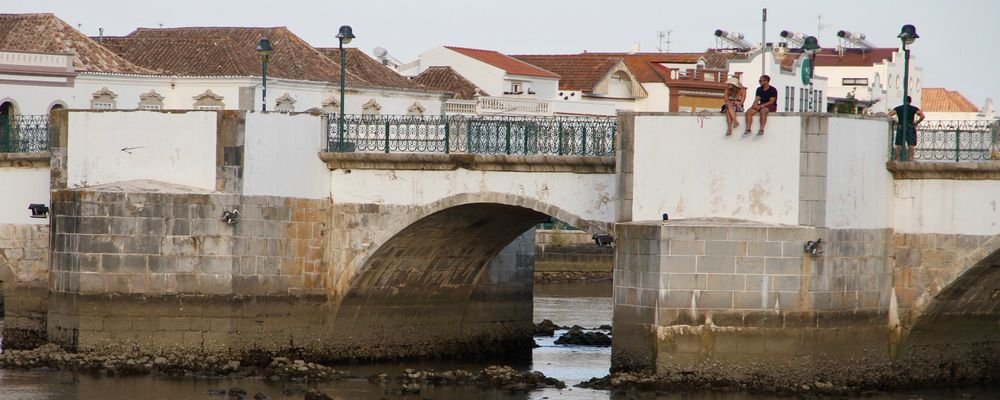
x=372, y=255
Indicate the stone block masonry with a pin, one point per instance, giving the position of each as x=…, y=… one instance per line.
x=24, y=273
x=702, y=288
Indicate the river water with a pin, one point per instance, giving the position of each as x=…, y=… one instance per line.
x=587, y=305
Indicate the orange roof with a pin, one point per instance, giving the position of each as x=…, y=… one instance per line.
x=512, y=65
x=445, y=78
x=370, y=70
x=44, y=33
x=578, y=71
x=944, y=100
x=227, y=51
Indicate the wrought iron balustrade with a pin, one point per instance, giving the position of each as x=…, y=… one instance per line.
x=24, y=133
x=578, y=136
x=959, y=140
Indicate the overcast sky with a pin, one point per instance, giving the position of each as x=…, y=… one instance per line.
x=957, y=49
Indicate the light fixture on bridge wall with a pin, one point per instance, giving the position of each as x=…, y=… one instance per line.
x=603, y=239
x=814, y=248
x=231, y=217
x=38, y=210
x=264, y=49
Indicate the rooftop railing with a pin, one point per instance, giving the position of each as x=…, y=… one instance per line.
x=577, y=136
x=960, y=140
x=24, y=133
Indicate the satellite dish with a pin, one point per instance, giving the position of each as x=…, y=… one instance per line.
x=380, y=52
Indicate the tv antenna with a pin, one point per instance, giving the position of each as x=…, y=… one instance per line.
x=820, y=25
x=660, y=36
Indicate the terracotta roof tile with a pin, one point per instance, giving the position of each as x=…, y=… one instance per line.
x=577, y=71
x=45, y=33
x=944, y=100
x=228, y=51
x=372, y=71
x=445, y=78
x=642, y=64
x=512, y=65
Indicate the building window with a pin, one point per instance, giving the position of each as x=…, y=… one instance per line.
x=371, y=108
x=151, y=101
x=284, y=104
x=855, y=82
x=791, y=101
x=786, y=98
x=516, y=87
x=802, y=98
x=208, y=101
x=331, y=105
x=103, y=99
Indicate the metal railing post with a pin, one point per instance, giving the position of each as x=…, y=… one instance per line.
x=958, y=145
x=386, y=135
x=560, y=138
x=468, y=136
x=447, y=145
x=583, y=141
x=508, y=137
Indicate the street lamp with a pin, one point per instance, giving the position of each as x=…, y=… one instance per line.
x=264, y=49
x=809, y=46
x=907, y=35
x=344, y=36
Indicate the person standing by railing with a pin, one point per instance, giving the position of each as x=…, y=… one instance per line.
x=910, y=136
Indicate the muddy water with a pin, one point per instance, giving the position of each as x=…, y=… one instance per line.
x=587, y=305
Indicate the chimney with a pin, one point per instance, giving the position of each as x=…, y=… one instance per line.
x=100, y=34
x=635, y=48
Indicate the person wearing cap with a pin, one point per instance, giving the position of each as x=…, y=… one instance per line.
x=734, y=103
x=765, y=101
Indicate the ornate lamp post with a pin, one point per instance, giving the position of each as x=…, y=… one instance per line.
x=344, y=36
x=264, y=49
x=908, y=35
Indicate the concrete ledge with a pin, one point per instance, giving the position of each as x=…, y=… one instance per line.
x=25, y=160
x=982, y=170
x=481, y=162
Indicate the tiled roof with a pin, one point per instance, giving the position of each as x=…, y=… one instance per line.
x=512, y=65
x=227, y=51
x=445, y=78
x=944, y=100
x=720, y=59
x=853, y=57
x=578, y=71
x=642, y=64
x=44, y=33
x=372, y=71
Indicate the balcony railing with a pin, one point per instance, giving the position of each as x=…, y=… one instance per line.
x=577, y=136
x=956, y=140
x=498, y=105
x=24, y=133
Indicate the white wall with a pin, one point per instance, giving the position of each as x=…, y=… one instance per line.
x=859, y=187
x=947, y=206
x=23, y=186
x=685, y=166
x=175, y=148
x=281, y=156
x=588, y=196
x=658, y=99
x=485, y=76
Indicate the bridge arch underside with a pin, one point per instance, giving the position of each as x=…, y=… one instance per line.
x=960, y=328
x=437, y=289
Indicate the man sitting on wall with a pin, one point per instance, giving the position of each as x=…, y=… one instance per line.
x=765, y=101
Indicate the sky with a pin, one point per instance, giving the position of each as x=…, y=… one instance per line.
x=955, y=50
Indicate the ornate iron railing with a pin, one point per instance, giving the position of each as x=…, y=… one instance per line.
x=579, y=136
x=959, y=140
x=24, y=133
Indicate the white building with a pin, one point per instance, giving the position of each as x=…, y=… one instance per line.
x=874, y=76
x=940, y=104
x=796, y=92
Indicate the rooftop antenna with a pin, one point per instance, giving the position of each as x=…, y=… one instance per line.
x=820, y=25
x=854, y=40
x=663, y=34
x=100, y=34
x=734, y=39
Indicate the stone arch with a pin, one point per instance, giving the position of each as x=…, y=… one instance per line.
x=285, y=103
x=57, y=105
x=416, y=109
x=964, y=313
x=331, y=105
x=8, y=107
x=208, y=101
x=421, y=212
x=151, y=100
x=371, y=108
